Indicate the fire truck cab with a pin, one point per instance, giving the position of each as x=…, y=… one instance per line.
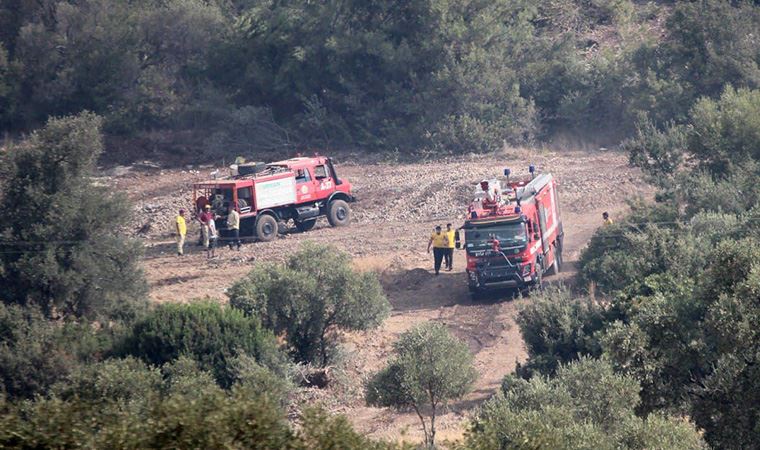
x=513, y=235
x=267, y=196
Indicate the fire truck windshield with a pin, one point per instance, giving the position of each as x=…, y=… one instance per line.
x=512, y=235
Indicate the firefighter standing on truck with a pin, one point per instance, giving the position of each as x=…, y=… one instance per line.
x=440, y=243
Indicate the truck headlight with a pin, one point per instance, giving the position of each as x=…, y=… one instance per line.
x=526, y=270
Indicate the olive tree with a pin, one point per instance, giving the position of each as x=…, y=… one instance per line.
x=309, y=298
x=430, y=368
x=60, y=247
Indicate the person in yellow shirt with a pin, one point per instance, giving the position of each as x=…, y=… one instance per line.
x=181, y=228
x=440, y=244
x=606, y=219
x=448, y=257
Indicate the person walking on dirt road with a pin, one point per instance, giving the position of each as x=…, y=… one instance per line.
x=181, y=228
x=233, y=224
x=439, y=241
x=448, y=257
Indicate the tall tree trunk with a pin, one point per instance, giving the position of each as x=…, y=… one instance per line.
x=424, y=427
x=432, y=428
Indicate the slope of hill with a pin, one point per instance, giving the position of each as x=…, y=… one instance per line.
x=398, y=206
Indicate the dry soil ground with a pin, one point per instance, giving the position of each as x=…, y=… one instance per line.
x=398, y=206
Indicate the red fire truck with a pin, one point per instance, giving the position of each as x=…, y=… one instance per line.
x=513, y=235
x=267, y=196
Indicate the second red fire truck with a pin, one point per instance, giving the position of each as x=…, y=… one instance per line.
x=513, y=233
x=267, y=196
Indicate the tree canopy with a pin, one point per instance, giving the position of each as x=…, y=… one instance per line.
x=60, y=251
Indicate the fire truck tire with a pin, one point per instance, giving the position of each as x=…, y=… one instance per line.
x=266, y=228
x=338, y=213
x=305, y=225
x=557, y=265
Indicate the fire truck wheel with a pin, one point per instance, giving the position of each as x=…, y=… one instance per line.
x=266, y=228
x=338, y=213
x=557, y=265
x=305, y=225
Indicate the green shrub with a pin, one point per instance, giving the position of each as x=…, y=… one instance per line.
x=183, y=376
x=640, y=259
x=558, y=329
x=586, y=405
x=36, y=353
x=726, y=131
x=311, y=297
x=250, y=374
x=430, y=368
x=206, y=332
x=660, y=154
x=208, y=417
x=128, y=379
x=319, y=430
x=211, y=418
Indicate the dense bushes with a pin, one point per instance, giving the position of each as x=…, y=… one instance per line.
x=206, y=332
x=149, y=413
x=682, y=275
x=36, y=353
x=311, y=297
x=229, y=77
x=558, y=329
x=586, y=405
x=208, y=418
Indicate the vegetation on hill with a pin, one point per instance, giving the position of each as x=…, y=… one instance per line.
x=661, y=352
x=679, y=308
x=197, y=78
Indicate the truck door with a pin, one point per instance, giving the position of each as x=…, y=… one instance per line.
x=305, y=185
x=325, y=184
x=542, y=226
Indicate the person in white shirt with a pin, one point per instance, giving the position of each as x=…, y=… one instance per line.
x=212, y=236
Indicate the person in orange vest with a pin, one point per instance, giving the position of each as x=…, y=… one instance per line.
x=440, y=244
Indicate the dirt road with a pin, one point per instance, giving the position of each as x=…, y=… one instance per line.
x=398, y=206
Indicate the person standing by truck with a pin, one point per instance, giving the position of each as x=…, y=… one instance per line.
x=233, y=225
x=204, y=218
x=181, y=228
x=212, y=236
x=439, y=241
x=450, y=243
